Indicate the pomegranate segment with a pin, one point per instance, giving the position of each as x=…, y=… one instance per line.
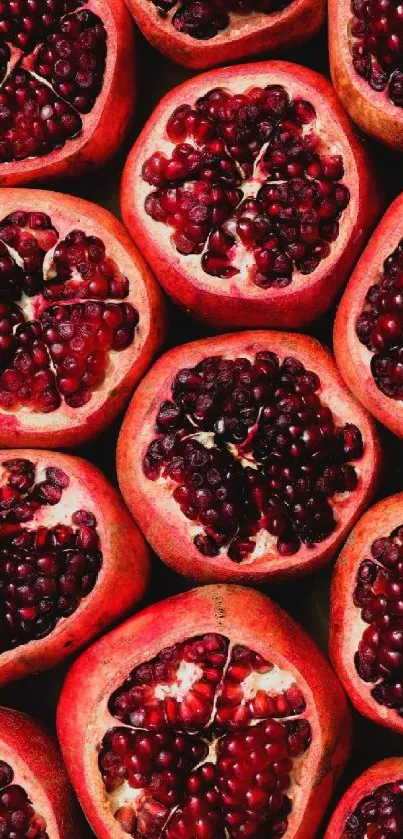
x=18, y=817
x=377, y=45
x=203, y=19
x=372, y=806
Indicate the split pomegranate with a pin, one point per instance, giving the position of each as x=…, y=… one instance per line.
x=368, y=332
x=80, y=318
x=207, y=715
x=67, y=88
x=204, y=33
x=36, y=800
x=372, y=806
x=366, y=63
x=243, y=457
x=250, y=196
x=71, y=559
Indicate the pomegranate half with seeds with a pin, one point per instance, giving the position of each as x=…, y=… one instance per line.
x=36, y=800
x=80, y=318
x=250, y=196
x=366, y=621
x=67, y=86
x=366, y=63
x=207, y=715
x=372, y=806
x=204, y=33
x=243, y=457
x=368, y=331
x=71, y=559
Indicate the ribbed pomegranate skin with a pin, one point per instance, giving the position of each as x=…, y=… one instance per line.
x=356, y=811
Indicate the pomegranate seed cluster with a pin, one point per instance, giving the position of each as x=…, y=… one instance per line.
x=203, y=19
x=248, y=447
x=18, y=819
x=52, y=60
x=377, y=46
x=63, y=354
x=379, y=815
x=248, y=186
x=45, y=571
x=204, y=744
x=380, y=326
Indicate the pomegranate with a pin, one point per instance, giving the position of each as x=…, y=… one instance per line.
x=204, y=33
x=71, y=559
x=249, y=195
x=366, y=63
x=368, y=332
x=243, y=457
x=80, y=318
x=36, y=800
x=206, y=715
x=67, y=89
x=372, y=806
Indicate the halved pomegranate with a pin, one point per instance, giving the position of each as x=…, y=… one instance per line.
x=204, y=33
x=368, y=332
x=372, y=806
x=71, y=559
x=366, y=63
x=205, y=716
x=36, y=800
x=250, y=196
x=67, y=86
x=80, y=318
x=366, y=620
x=243, y=457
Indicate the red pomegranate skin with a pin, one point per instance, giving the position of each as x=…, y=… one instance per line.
x=242, y=615
x=121, y=580
x=106, y=125
x=245, y=36
x=237, y=302
x=387, y=771
x=68, y=426
x=160, y=517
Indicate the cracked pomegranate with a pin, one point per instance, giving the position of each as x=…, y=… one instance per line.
x=254, y=463
x=65, y=69
x=368, y=332
x=78, y=311
x=203, y=33
x=250, y=195
x=372, y=806
x=61, y=554
x=213, y=725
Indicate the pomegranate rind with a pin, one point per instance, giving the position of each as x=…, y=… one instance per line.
x=69, y=427
x=122, y=579
x=38, y=767
x=109, y=120
x=246, y=35
x=234, y=303
x=371, y=110
x=158, y=514
x=346, y=625
x=385, y=772
x=246, y=617
x=352, y=357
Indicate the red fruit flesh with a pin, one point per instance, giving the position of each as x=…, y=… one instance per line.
x=372, y=806
x=366, y=62
x=65, y=70
x=204, y=33
x=80, y=318
x=65, y=540
x=214, y=722
x=250, y=195
x=368, y=332
x=36, y=801
x=243, y=457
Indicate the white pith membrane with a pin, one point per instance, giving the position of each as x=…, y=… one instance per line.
x=273, y=683
x=19, y=816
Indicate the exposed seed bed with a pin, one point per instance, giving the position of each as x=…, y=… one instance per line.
x=379, y=815
x=203, y=19
x=211, y=739
x=249, y=185
x=18, y=818
x=377, y=45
